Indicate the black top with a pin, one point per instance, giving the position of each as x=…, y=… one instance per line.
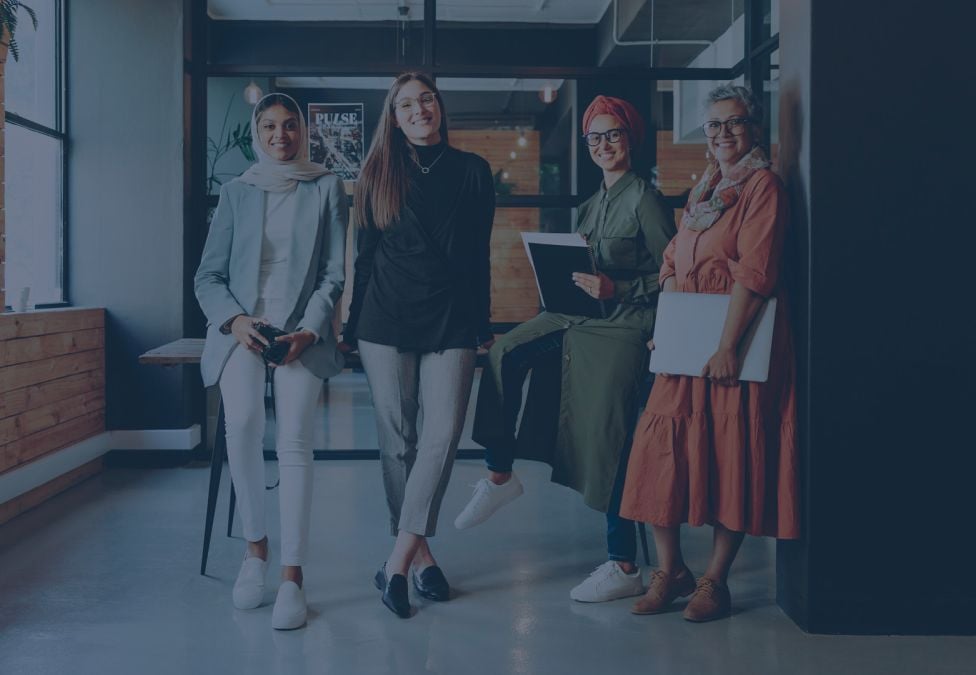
x=424, y=283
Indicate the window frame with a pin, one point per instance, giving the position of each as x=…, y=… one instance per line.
x=59, y=133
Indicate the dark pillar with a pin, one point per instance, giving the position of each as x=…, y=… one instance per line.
x=194, y=187
x=877, y=153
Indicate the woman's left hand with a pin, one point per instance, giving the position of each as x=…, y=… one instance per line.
x=723, y=367
x=599, y=286
x=299, y=342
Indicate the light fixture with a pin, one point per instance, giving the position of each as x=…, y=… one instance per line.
x=548, y=93
x=522, y=140
x=513, y=155
x=504, y=175
x=252, y=93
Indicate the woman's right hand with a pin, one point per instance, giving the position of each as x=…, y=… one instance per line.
x=345, y=347
x=243, y=330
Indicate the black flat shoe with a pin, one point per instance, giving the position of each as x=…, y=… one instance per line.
x=431, y=584
x=394, y=593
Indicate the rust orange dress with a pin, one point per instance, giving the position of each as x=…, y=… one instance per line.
x=706, y=453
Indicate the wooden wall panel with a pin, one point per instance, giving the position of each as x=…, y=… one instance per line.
x=49, y=321
x=54, y=438
x=36, y=348
x=28, y=398
x=50, y=415
x=514, y=296
x=52, y=391
x=33, y=372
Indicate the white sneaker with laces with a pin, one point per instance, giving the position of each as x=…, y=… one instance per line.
x=608, y=582
x=249, y=587
x=290, y=609
x=487, y=499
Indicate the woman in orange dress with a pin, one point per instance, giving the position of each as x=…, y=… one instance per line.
x=711, y=449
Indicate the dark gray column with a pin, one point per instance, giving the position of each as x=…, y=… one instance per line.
x=877, y=153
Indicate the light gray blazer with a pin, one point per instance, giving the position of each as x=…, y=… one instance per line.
x=226, y=284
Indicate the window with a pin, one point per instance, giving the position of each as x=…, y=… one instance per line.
x=34, y=160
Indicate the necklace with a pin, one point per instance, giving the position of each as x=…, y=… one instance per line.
x=426, y=169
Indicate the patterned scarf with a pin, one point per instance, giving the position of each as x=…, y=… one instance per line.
x=701, y=213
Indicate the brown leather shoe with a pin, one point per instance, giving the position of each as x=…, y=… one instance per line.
x=711, y=601
x=662, y=590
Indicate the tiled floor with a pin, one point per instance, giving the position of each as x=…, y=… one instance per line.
x=103, y=579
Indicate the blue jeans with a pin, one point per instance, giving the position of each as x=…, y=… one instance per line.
x=500, y=455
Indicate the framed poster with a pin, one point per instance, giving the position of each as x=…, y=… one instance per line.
x=335, y=137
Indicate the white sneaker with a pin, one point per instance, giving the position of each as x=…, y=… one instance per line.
x=487, y=499
x=608, y=582
x=290, y=609
x=249, y=587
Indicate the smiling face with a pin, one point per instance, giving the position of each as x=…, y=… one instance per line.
x=280, y=132
x=417, y=113
x=727, y=148
x=611, y=157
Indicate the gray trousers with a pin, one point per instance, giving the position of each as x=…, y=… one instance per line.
x=420, y=401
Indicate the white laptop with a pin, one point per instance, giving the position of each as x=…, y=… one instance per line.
x=689, y=327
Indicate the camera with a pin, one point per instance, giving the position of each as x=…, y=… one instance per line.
x=275, y=352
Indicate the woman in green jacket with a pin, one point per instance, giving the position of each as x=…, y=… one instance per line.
x=586, y=372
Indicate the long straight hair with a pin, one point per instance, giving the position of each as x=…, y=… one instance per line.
x=385, y=179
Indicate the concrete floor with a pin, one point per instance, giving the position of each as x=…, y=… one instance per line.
x=104, y=579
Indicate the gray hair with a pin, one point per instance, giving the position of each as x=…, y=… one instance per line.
x=744, y=95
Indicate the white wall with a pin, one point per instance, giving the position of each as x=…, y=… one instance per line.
x=125, y=193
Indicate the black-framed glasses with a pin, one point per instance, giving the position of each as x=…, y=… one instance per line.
x=425, y=100
x=592, y=139
x=735, y=125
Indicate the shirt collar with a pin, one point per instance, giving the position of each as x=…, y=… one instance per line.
x=622, y=184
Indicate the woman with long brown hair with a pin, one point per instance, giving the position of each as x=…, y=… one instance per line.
x=420, y=308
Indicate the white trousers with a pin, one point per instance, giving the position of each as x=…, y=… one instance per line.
x=296, y=393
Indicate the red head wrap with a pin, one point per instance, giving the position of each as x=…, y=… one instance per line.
x=627, y=114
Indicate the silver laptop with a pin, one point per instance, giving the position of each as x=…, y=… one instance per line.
x=689, y=327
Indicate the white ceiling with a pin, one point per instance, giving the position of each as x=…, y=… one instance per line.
x=542, y=11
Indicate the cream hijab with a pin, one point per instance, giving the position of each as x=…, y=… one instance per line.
x=273, y=175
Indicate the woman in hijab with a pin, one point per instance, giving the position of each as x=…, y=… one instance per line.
x=273, y=257
x=586, y=372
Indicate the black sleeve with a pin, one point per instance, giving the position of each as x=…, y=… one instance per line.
x=484, y=219
x=368, y=239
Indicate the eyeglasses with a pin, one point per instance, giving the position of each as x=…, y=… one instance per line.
x=612, y=135
x=735, y=125
x=425, y=100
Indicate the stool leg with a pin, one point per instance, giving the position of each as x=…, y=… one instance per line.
x=216, y=465
x=230, y=509
x=643, y=535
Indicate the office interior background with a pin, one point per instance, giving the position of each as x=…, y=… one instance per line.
x=118, y=129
